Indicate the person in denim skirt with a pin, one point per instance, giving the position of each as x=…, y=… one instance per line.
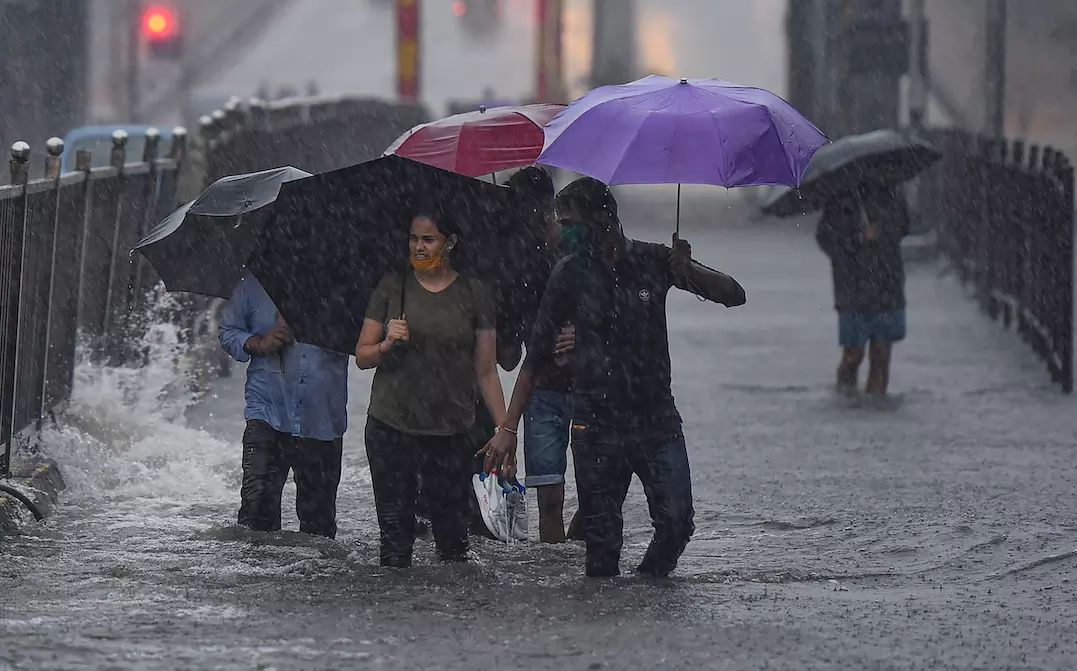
x=861, y=233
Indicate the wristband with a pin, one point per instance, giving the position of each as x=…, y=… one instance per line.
x=505, y=428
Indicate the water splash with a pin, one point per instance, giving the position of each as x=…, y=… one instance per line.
x=124, y=435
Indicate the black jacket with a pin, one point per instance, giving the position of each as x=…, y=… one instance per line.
x=869, y=275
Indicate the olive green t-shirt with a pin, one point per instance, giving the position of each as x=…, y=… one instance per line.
x=426, y=385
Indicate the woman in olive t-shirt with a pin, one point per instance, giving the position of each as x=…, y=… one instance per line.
x=431, y=335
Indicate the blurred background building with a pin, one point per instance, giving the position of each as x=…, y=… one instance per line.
x=846, y=62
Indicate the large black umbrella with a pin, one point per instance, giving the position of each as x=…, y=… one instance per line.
x=202, y=246
x=844, y=165
x=334, y=236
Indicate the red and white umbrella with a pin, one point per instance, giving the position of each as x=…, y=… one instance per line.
x=482, y=142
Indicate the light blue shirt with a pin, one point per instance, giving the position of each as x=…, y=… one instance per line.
x=300, y=390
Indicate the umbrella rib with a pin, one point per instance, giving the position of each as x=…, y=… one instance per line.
x=596, y=140
x=781, y=140
x=721, y=147
x=624, y=150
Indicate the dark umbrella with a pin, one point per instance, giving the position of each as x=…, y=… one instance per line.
x=334, y=236
x=202, y=246
x=842, y=166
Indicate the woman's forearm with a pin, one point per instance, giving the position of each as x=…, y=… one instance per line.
x=370, y=356
x=521, y=396
x=493, y=396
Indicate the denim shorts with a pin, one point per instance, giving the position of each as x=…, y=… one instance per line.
x=857, y=330
x=546, y=431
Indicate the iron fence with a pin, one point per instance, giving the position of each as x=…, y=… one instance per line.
x=66, y=270
x=1004, y=214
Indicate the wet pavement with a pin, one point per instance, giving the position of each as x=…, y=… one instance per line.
x=932, y=530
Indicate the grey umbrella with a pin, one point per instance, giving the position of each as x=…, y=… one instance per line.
x=846, y=164
x=203, y=246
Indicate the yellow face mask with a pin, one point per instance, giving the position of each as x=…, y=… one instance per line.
x=430, y=263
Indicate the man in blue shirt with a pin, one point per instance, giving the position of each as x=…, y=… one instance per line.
x=296, y=411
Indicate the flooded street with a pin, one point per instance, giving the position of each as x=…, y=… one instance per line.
x=933, y=530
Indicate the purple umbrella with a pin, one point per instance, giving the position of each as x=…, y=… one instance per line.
x=702, y=131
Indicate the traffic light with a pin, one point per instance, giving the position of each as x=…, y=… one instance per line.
x=478, y=16
x=162, y=31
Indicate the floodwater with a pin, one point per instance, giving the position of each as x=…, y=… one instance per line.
x=934, y=530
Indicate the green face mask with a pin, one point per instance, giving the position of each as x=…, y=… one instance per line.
x=575, y=237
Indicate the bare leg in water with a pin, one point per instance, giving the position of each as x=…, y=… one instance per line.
x=551, y=504
x=575, y=528
x=849, y=368
x=878, y=367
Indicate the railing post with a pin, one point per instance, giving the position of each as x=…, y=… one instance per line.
x=1066, y=223
x=179, y=145
x=19, y=165
x=11, y=265
x=117, y=159
x=55, y=149
x=118, y=153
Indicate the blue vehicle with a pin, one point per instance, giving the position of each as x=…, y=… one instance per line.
x=98, y=140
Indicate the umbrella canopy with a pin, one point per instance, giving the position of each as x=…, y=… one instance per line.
x=202, y=246
x=481, y=142
x=701, y=131
x=886, y=156
x=334, y=236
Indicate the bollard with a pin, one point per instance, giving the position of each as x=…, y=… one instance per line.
x=153, y=141
x=19, y=164
x=118, y=156
x=179, y=144
x=55, y=148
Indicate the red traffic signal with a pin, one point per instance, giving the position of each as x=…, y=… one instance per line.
x=160, y=23
x=161, y=28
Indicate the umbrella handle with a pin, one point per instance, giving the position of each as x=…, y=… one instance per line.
x=677, y=231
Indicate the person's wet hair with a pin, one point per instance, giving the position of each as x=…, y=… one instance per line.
x=589, y=198
x=442, y=221
x=533, y=181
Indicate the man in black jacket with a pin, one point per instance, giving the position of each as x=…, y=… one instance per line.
x=624, y=420
x=862, y=233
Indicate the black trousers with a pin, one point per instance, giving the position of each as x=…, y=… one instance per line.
x=481, y=432
x=605, y=460
x=397, y=460
x=268, y=455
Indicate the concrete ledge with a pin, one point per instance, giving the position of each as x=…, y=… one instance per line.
x=40, y=482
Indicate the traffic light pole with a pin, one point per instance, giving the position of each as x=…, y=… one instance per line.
x=134, y=70
x=995, y=90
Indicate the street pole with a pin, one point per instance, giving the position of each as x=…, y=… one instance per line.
x=613, y=57
x=408, y=61
x=918, y=86
x=995, y=88
x=822, y=81
x=549, y=84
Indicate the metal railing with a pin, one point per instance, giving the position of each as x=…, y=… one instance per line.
x=1004, y=215
x=66, y=269
x=314, y=134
